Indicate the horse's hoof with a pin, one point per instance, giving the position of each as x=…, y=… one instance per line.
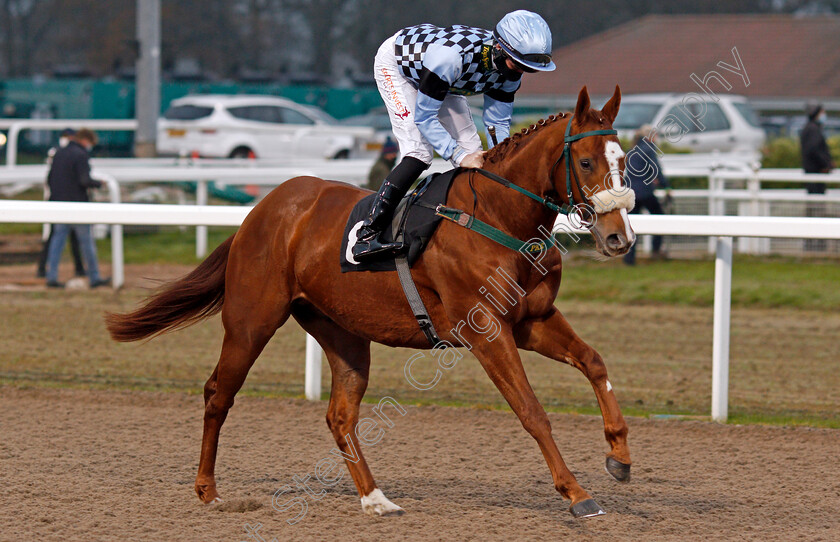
x=586, y=509
x=618, y=470
x=398, y=512
x=207, y=493
x=377, y=504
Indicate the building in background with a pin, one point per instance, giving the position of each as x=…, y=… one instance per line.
x=789, y=60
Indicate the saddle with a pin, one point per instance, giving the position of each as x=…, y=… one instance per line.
x=414, y=223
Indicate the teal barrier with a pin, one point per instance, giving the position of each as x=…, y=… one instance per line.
x=106, y=99
x=227, y=193
x=102, y=99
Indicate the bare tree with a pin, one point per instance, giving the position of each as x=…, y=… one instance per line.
x=25, y=24
x=228, y=35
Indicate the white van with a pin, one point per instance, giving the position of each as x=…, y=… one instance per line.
x=728, y=125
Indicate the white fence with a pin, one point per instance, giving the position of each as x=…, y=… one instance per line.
x=16, y=126
x=202, y=172
x=723, y=229
x=724, y=173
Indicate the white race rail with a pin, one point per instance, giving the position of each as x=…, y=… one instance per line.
x=226, y=172
x=724, y=228
x=16, y=126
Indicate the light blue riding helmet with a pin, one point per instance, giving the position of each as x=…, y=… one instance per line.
x=526, y=38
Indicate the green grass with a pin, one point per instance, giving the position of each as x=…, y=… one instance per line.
x=793, y=419
x=767, y=282
x=19, y=229
x=167, y=245
x=669, y=301
x=170, y=245
x=756, y=282
x=14, y=228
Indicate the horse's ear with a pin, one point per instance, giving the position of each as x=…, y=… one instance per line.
x=582, y=107
x=610, y=109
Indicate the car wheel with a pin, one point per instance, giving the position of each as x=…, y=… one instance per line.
x=242, y=152
x=343, y=154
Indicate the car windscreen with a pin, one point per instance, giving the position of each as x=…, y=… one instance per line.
x=321, y=115
x=377, y=121
x=747, y=112
x=633, y=115
x=187, y=112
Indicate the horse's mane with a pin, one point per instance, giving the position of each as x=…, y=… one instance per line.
x=515, y=140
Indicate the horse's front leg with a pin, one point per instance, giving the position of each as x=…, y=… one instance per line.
x=503, y=365
x=553, y=337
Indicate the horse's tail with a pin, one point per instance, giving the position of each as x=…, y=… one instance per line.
x=178, y=304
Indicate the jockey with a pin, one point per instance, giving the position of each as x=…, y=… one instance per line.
x=424, y=74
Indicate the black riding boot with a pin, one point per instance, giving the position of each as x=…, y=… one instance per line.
x=381, y=212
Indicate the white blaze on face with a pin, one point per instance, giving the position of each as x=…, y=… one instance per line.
x=613, y=153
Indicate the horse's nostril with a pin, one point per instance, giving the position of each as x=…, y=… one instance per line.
x=616, y=241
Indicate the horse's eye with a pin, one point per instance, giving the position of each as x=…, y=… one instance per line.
x=585, y=164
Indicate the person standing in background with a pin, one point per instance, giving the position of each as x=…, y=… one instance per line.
x=644, y=187
x=383, y=165
x=69, y=180
x=63, y=140
x=816, y=158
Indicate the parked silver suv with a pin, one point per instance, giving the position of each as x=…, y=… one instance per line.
x=728, y=125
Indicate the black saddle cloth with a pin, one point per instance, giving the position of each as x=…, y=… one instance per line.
x=418, y=223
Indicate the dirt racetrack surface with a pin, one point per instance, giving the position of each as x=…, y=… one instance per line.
x=107, y=465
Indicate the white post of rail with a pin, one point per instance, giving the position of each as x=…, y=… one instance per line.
x=117, y=253
x=754, y=188
x=712, y=203
x=117, y=257
x=720, y=339
x=12, y=145
x=312, y=385
x=201, y=231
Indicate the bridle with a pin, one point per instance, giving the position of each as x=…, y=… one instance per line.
x=571, y=171
x=462, y=218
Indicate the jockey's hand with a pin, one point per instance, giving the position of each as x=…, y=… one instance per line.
x=474, y=160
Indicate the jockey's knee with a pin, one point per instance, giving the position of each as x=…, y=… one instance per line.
x=421, y=155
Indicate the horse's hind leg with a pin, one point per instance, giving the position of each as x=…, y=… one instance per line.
x=248, y=327
x=349, y=358
x=553, y=337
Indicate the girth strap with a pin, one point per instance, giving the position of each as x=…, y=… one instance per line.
x=407, y=282
x=414, y=300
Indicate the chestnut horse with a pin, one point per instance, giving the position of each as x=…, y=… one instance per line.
x=283, y=261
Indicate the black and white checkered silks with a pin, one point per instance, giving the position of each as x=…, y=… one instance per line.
x=476, y=76
x=400, y=96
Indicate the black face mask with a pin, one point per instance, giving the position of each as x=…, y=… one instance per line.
x=499, y=58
